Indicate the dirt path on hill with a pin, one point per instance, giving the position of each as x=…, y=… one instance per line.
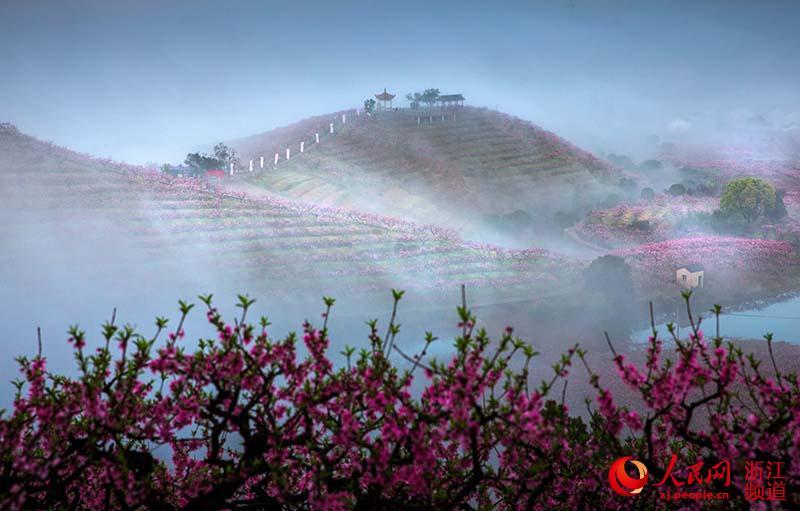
x=574, y=236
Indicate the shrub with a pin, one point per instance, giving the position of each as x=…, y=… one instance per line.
x=648, y=194
x=651, y=165
x=620, y=160
x=778, y=211
x=677, y=189
x=706, y=189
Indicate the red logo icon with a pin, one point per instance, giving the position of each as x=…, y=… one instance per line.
x=624, y=484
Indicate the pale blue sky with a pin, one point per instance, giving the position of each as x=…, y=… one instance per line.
x=147, y=80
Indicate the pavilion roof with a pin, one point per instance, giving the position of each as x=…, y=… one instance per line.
x=384, y=96
x=451, y=97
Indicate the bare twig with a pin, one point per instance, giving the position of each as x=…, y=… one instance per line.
x=778, y=375
x=653, y=321
x=464, y=307
x=414, y=361
x=608, y=341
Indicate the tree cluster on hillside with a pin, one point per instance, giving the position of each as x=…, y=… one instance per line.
x=369, y=106
x=751, y=198
x=428, y=96
x=745, y=205
x=243, y=420
x=222, y=158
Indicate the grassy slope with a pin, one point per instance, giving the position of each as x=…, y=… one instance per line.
x=454, y=171
x=269, y=240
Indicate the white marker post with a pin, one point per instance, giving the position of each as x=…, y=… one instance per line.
x=302, y=146
x=251, y=165
x=276, y=159
x=419, y=120
x=331, y=127
x=262, y=162
x=317, y=137
x=358, y=112
x=344, y=119
x=288, y=153
x=231, y=168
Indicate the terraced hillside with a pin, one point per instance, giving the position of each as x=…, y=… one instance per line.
x=455, y=171
x=54, y=195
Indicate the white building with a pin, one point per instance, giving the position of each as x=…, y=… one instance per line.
x=690, y=276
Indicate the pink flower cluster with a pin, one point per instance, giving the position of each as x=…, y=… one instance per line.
x=244, y=419
x=734, y=261
x=644, y=221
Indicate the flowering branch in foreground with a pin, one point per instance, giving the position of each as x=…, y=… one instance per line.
x=244, y=418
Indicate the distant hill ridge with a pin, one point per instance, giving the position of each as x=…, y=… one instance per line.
x=21, y=148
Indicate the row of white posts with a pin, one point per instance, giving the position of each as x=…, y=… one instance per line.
x=430, y=118
x=302, y=146
x=316, y=140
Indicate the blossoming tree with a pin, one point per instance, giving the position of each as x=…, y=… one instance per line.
x=246, y=420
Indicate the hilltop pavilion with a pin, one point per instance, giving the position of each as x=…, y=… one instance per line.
x=451, y=100
x=384, y=100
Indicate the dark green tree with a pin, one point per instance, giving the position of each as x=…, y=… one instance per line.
x=779, y=211
x=429, y=97
x=748, y=198
x=621, y=160
x=610, y=293
x=414, y=97
x=651, y=165
x=225, y=155
x=369, y=105
x=610, y=274
x=677, y=189
x=202, y=162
